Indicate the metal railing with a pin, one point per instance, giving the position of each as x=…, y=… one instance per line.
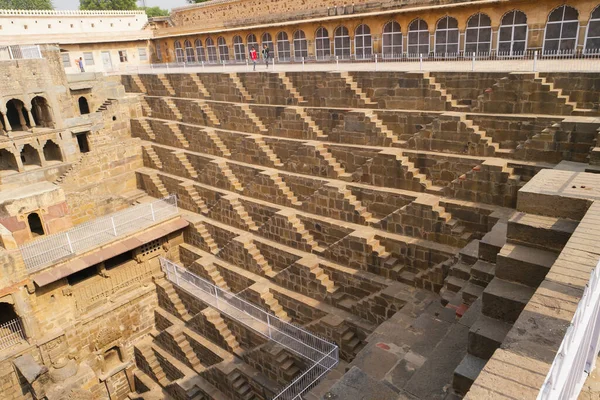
x=20, y=52
x=322, y=354
x=11, y=333
x=577, y=353
x=52, y=248
x=527, y=61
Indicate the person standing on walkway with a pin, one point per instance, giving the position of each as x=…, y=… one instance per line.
x=79, y=63
x=265, y=54
x=253, y=57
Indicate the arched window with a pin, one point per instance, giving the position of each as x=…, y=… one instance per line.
x=211, y=50
x=17, y=115
x=561, y=31
x=52, y=151
x=392, y=40
x=84, y=108
x=8, y=160
x=200, y=51
x=268, y=40
x=40, y=109
x=283, y=47
x=592, y=34
x=512, y=39
x=478, y=36
x=30, y=156
x=35, y=224
x=341, y=43
x=239, y=51
x=446, y=36
x=363, y=43
x=189, y=52
x=300, y=45
x=322, y=45
x=252, y=42
x=179, y=57
x=418, y=38
x=223, y=49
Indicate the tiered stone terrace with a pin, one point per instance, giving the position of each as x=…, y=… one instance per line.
x=351, y=204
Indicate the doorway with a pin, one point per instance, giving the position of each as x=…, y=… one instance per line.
x=82, y=142
x=106, y=61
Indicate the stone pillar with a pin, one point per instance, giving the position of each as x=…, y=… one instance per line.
x=22, y=121
x=31, y=120
x=6, y=123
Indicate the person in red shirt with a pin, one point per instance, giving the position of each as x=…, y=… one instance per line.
x=253, y=56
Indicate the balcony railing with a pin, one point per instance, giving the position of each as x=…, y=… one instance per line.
x=20, y=52
x=322, y=355
x=61, y=246
x=11, y=333
x=578, y=351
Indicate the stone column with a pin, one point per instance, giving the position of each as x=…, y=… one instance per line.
x=22, y=121
x=31, y=120
x=6, y=123
x=20, y=166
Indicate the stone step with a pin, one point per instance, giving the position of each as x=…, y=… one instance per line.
x=486, y=335
x=522, y=264
x=546, y=233
x=461, y=271
x=455, y=284
x=505, y=300
x=492, y=242
x=466, y=373
x=470, y=253
x=471, y=292
x=483, y=271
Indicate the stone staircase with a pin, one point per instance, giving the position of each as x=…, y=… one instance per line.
x=146, y=109
x=152, y=156
x=364, y=215
x=210, y=114
x=317, y=272
x=140, y=85
x=185, y=163
x=246, y=97
x=257, y=256
x=414, y=173
x=212, y=135
x=289, y=86
x=215, y=276
x=575, y=110
x=240, y=385
x=145, y=125
x=186, y=348
x=364, y=100
x=200, y=86
x=229, y=175
x=174, y=128
x=305, y=235
x=105, y=104
x=266, y=149
x=310, y=122
x=160, y=187
x=282, y=188
x=165, y=82
x=207, y=238
x=447, y=97
x=197, y=200
x=323, y=153
x=274, y=305
x=254, y=118
x=155, y=370
x=390, y=137
x=173, y=107
x=241, y=212
x=214, y=318
x=492, y=148
x=174, y=299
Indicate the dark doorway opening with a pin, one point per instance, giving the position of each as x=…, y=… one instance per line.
x=82, y=142
x=84, y=107
x=17, y=115
x=35, y=224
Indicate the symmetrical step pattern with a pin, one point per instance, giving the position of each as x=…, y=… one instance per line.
x=197, y=200
x=174, y=127
x=254, y=118
x=266, y=149
x=282, y=188
x=447, y=97
x=257, y=256
x=154, y=158
x=147, y=128
x=185, y=163
x=200, y=86
x=209, y=241
x=228, y=173
x=274, y=306
x=364, y=100
x=212, y=135
x=214, y=317
x=165, y=81
x=173, y=107
x=382, y=129
x=210, y=114
x=160, y=187
x=289, y=86
x=241, y=88
x=312, y=125
x=338, y=171
x=138, y=82
x=239, y=209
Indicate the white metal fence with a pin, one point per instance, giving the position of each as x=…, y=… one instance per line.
x=20, y=52
x=577, y=353
x=322, y=354
x=52, y=248
x=11, y=333
x=529, y=61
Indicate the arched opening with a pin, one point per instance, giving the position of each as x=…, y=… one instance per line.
x=223, y=49
x=17, y=115
x=561, y=31
x=7, y=313
x=8, y=161
x=189, y=52
x=592, y=35
x=41, y=112
x=478, y=36
x=30, y=156
x=341, y=43
x=239, y=51
x=35, y=224
x=200, y=51
x=322, y=44
x=11, y=330
x=52, y=151
x=84, y=108
x=392, y=40
x=283, y=47
x=418, y=38
x=211, y=50
x=300, y=45
x=363, y=43
x=446, y=37
x=512, y=39
x=179, y=57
